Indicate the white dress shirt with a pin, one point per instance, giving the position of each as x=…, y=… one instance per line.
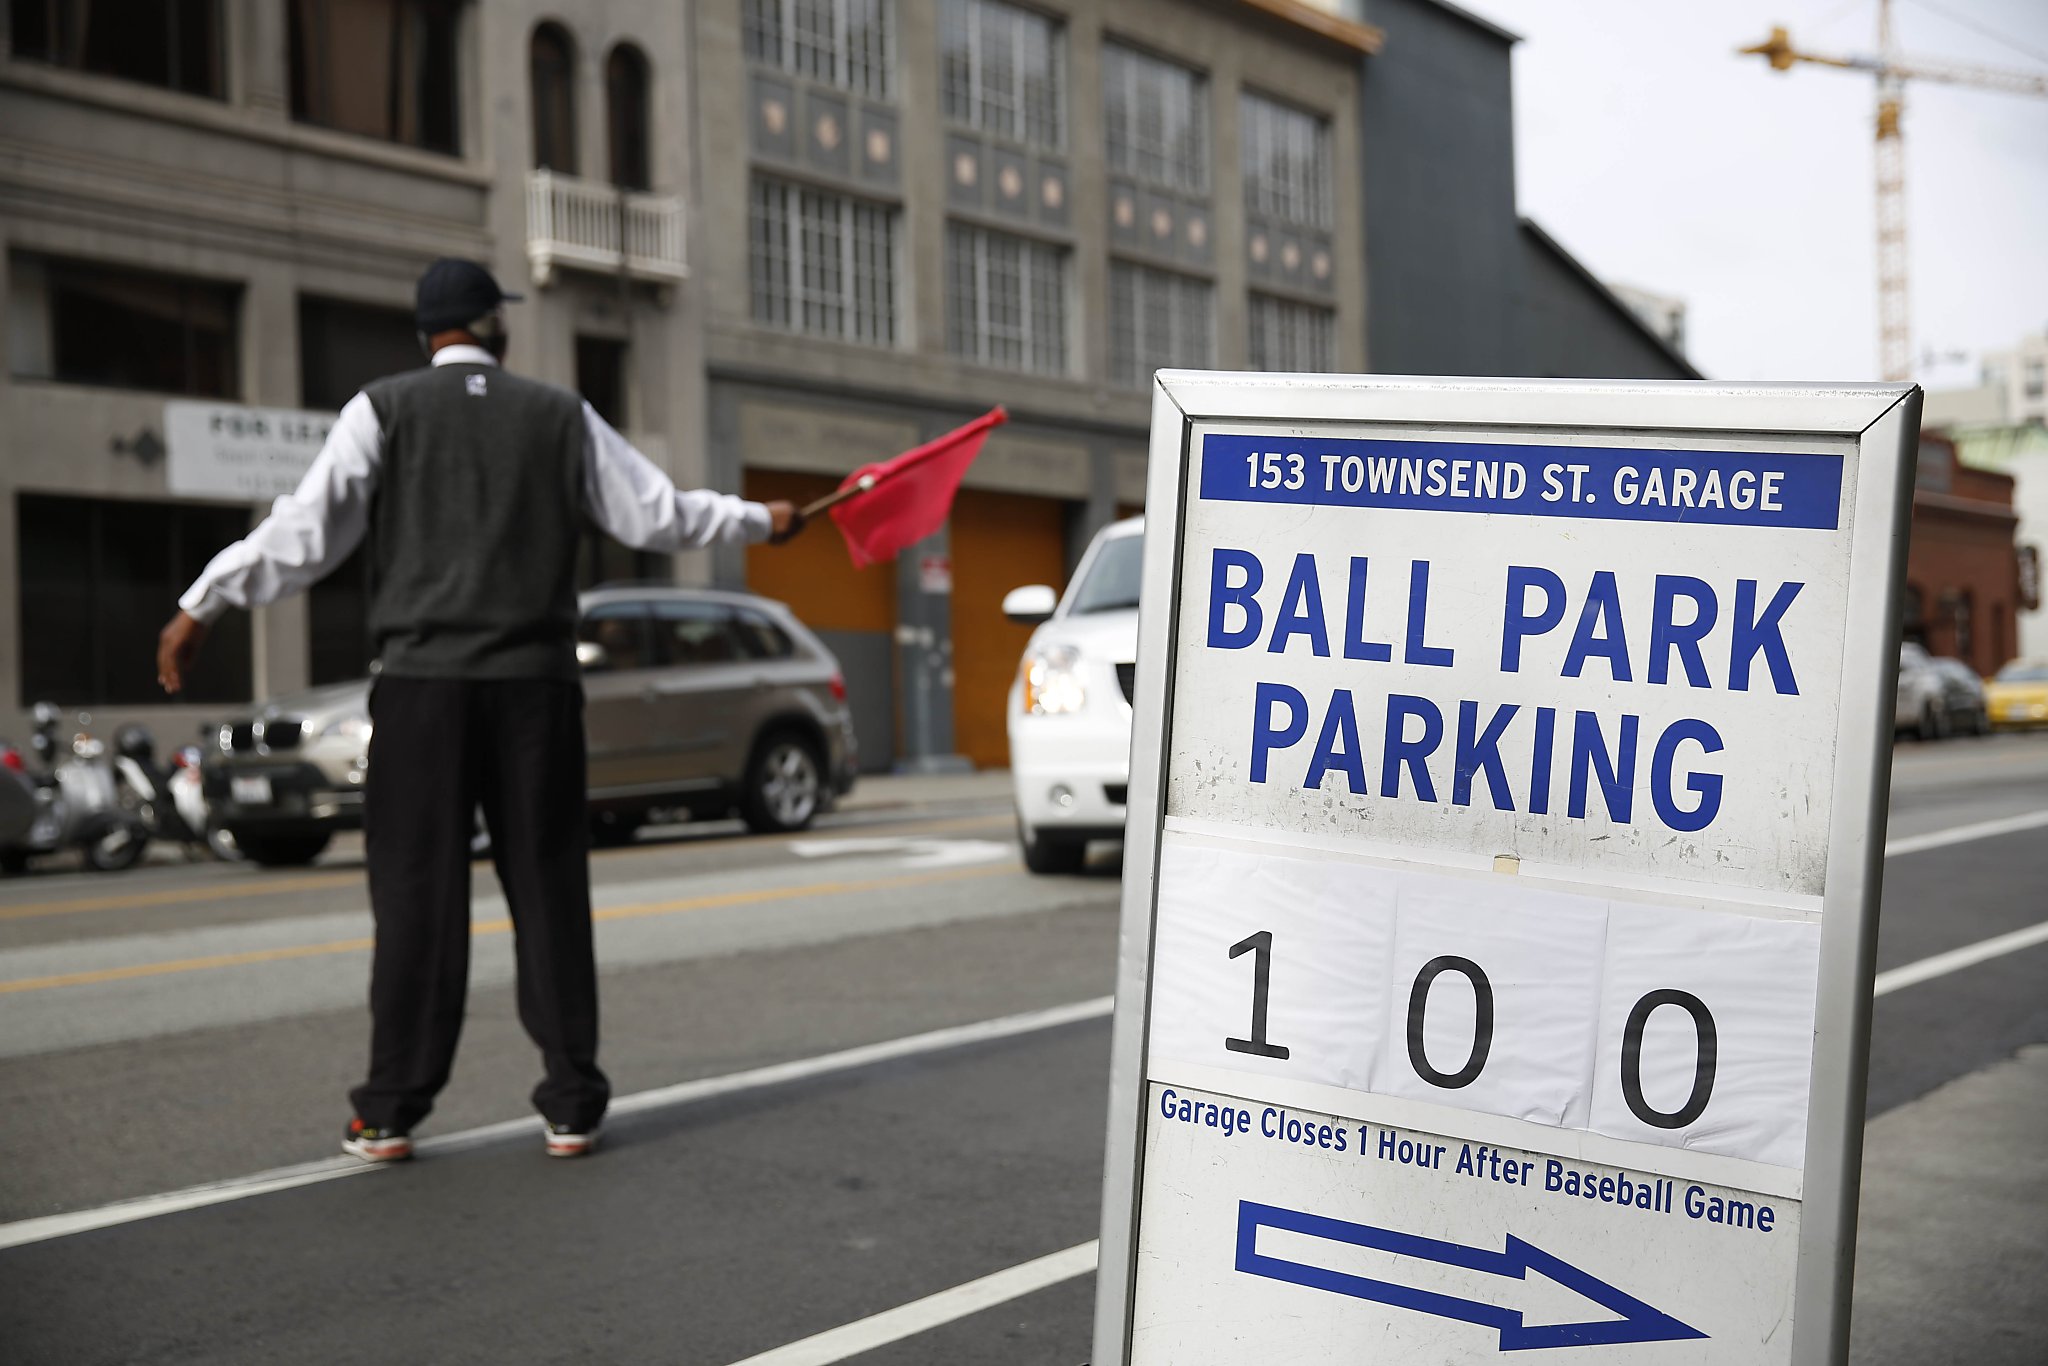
x=313, y=529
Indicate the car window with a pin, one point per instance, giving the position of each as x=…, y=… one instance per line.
x=763, y=637
x=2017, y=672
x=697, y=633
x=622, y=628
x=1113, y=577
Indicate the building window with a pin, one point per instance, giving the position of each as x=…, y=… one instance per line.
x=85, y=323
x=1155, y=120
x=2037, y=378
x=1157, y=320
x=1002, y=69
x=343, y=346
x=1291, y=337
x=824, y=263
x=847, y=43
x=171, y=43
x=98, y=577
x=379, y=68
x=551, y=66
x=625, y=87
x=1286, y=156
x=1006, y=300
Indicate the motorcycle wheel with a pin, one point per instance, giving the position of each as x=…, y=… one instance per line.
x=117, y=850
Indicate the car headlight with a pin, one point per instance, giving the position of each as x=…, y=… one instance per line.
x=1052, y=681
x=355, y=726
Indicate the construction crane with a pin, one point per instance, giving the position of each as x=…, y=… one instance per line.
x=1893, y=71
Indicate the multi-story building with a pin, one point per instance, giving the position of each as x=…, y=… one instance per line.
x=213, y=215
x=2011, y=390
x=845, y=229
x=913, y=211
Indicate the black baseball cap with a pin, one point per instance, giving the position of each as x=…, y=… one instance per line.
x=453, y=291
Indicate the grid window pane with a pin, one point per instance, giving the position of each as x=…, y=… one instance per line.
x=1002, y=69
x=1157, y=320
x=823, y=263
x=1286, y=156
x=1006, y=304
x=1155, y=120
x=1291, y=337
x=845, y=43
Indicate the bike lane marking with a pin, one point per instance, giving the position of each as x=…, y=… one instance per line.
x=47, y=1227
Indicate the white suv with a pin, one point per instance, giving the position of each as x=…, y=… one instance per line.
x=1070, y=707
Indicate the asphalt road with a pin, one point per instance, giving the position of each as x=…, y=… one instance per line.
x=791, y=1165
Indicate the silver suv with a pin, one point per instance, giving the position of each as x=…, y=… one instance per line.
x=696, y=701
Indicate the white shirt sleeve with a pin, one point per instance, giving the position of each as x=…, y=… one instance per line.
x=308, y=532
x=632, y=499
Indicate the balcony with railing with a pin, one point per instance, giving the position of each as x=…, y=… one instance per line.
x=581, y=223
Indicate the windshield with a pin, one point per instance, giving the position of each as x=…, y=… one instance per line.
x=1112, y=582
x=2023, y=673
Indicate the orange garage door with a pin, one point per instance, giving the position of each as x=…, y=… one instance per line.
x=1000, y=541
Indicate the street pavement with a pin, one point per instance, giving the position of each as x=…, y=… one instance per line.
x=823, y=1134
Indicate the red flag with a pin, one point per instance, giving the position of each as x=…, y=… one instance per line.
x=910, y=496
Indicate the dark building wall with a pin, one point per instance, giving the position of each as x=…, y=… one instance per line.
x=1455, y=282
x=1437, y=128
x=1571, y=327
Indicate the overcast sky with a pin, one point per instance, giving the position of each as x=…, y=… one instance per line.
x=1662, y=159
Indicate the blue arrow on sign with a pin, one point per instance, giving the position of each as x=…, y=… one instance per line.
x=1638, y=1321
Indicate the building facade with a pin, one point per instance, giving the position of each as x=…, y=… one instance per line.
x=915, y=211
x=1963, y=583
x=213, y=214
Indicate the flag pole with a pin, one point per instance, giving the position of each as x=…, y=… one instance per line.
x=834, y=499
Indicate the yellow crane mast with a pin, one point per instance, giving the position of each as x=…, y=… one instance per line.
x=1892, y=70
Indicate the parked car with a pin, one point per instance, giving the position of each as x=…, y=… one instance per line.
x=697, y=701
x=1923, y=694
x=1964, y=705
x=1070, y=707
x=2018, y=694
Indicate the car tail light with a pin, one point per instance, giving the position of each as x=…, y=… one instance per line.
x=11, y=758
x=838, y=687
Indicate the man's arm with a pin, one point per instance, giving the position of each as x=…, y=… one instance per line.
x=635, y=501
x=307, y=533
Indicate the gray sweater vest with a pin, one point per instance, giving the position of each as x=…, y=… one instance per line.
x=475, y=524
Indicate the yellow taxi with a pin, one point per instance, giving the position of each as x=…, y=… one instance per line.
x=2018, y=694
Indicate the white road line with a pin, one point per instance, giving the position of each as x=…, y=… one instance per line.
x=43, y=1229
x=1941, y=964
x=908, y=1320
x=1963, y=834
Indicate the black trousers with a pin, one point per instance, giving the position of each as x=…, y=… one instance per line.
x=441, y=748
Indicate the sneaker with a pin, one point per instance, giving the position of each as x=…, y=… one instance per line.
x=375, y=1145
x=564, y=1141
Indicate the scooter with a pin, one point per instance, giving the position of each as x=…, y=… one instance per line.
x=168, y=801
x=77, y=801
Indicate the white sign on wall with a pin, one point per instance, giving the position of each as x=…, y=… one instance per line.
x=232, y=451
x=1501, y=835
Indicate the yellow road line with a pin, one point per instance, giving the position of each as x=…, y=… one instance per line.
x=497, y=926
x=265, y=885
x=177, y=896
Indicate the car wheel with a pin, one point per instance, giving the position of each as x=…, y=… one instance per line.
x=282, y=851
x=13, y=862
x=1933, y=725
x=1982, y=724
x=613, y=830
x=1048, y=854
x=118, y=850
x=785, y=785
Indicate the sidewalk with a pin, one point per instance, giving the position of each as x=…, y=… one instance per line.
x=899, y=791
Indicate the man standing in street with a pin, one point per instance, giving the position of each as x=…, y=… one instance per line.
x=472, y=486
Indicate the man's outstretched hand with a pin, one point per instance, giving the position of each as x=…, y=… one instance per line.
x=785, y=520
x=177, y=647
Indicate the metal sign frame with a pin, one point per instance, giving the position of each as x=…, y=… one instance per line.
x=1882, y=421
